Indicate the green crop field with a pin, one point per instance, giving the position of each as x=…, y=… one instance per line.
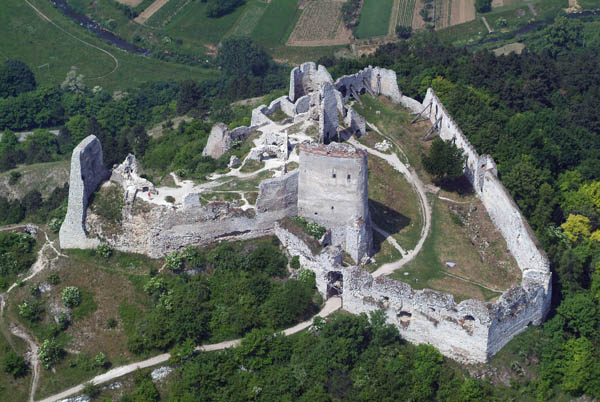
x=191, y=23
x=249, y=20
x=406, y=12
x=51, y=50
x=374, y=18
x=167, y=12
x=277, y=22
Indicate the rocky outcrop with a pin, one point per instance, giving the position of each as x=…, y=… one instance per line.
x=219, y=141
x=87, y=172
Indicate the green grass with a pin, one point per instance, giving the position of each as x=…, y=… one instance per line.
x=589, y=4
x=166, y=12
x=51, y=53
x=87, y=305
x=192, y=25
x=12, y=389
x=275, y=22
x=374, y=18
x=249, y=20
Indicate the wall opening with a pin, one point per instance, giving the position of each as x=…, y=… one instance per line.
x=348, y=177
x=469, y=318
x=404, y=316
x=335, y=283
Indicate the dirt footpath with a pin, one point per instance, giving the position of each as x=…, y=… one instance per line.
x=130, y=3
x=149, y=12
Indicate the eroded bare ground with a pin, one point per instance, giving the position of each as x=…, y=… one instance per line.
x=320, y=24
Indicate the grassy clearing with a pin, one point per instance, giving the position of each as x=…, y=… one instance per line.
x=51, y=53
x=449, y=242
x=249, y=20
x=162, y=17
x=12, y=389
x=384, y=252
x=393, y=204
x=274, y=25
x=252, y=166
x=43, y=177
x=374, y=18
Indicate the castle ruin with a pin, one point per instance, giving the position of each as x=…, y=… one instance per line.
x=330, y=188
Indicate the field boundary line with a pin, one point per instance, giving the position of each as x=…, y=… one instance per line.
x=45, y=17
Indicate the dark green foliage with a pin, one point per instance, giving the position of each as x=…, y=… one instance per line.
x=14, y=364
x=15, y=78
x=352, y=358
x=314, y=229
x=351, y=12
x=16, y=254
x=295, y=262
x=235, y=293
x=91, y=390
x=403, y=32
x=483, y=6
x=218, y=8
x=445, y=160
x=241, y=57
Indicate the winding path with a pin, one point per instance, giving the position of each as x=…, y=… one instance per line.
x=330, y=306
x=417, y=184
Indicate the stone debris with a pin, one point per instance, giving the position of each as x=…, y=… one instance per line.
x=113, y=386
x=160, y=373
x=383, y=146
x=80, y=398
x=234, y=162
x=450, y=264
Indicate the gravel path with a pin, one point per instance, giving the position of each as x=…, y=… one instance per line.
x=330, y=306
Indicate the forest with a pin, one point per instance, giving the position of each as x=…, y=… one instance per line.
x=536, y=113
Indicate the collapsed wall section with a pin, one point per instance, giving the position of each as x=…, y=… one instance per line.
x=87, y=172
x=372, y=80
x=279, y=196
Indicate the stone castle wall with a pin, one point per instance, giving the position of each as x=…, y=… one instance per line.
x=87, y=172
x=333, y=191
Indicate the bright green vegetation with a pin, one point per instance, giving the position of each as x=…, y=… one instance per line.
x=166, y=12
x=249, y=19
x=55, y=51
x=12, y=387
x=242, y=286
x=374, y=18
x=276, y=23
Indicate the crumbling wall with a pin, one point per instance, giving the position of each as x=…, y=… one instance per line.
x=328, y=115
x=221, y=139
x=328, y=260
x=279, y=196
x=371, y=80
x=87, y=172
x=306, y=79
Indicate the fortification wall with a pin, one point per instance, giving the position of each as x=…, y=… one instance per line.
x=328, y=114
x=375, y=80
x=279, y=196
x=87, y=172
x=329, y=260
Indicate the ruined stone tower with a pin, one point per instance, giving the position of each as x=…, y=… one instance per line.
x=332, y=191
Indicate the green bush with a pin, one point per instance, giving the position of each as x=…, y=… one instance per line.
x=71, y=296
x=55, y=224
x=53, y=279
x=50, y=353
x=483, y=6
x=170, y=199
x=63, y=321
x=108, y=203
x=91, y=390
x=111, y=323
x=295, y=262
x=14, y=364
x=312, y=228
x=100, y=360
x=104, y=250
x=174, y=261
x=31, y=310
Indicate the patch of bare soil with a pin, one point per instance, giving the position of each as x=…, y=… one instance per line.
x=417, y=22
x=462, y=11
x=130, y=3
x=320, y=24
x=149, y=12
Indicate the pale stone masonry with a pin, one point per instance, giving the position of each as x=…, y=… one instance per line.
x=87, y=172
x=330, y=187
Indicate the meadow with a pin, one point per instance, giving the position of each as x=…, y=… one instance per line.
x=52, y=50
x=374, y=18
x=277, y=23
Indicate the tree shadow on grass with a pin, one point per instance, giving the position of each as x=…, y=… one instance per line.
x=460, y=186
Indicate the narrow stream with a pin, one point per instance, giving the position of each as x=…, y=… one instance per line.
x=94, y=27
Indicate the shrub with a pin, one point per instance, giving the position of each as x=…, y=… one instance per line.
x=104, y=250
x=63, y=321
x=14, y=177
x=174, y=261
x=34, y=289
x=100, y=360
x=71, y=296
x=295, y=262
x=14, y=364
x=91, y=390
x=111, y=323
x=50, y=353
x=53, y=279
x=31, y=310
x=170, y=199
x=314, y=229
x=55, y=224
x=483, y=6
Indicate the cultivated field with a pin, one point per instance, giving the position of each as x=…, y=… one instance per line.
x=130, y=3
x=277, y=22
x=248, y=21
x=374, y=18
x=406, y=11
x=453, y=12
x=161, y=12
x=320, y=24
